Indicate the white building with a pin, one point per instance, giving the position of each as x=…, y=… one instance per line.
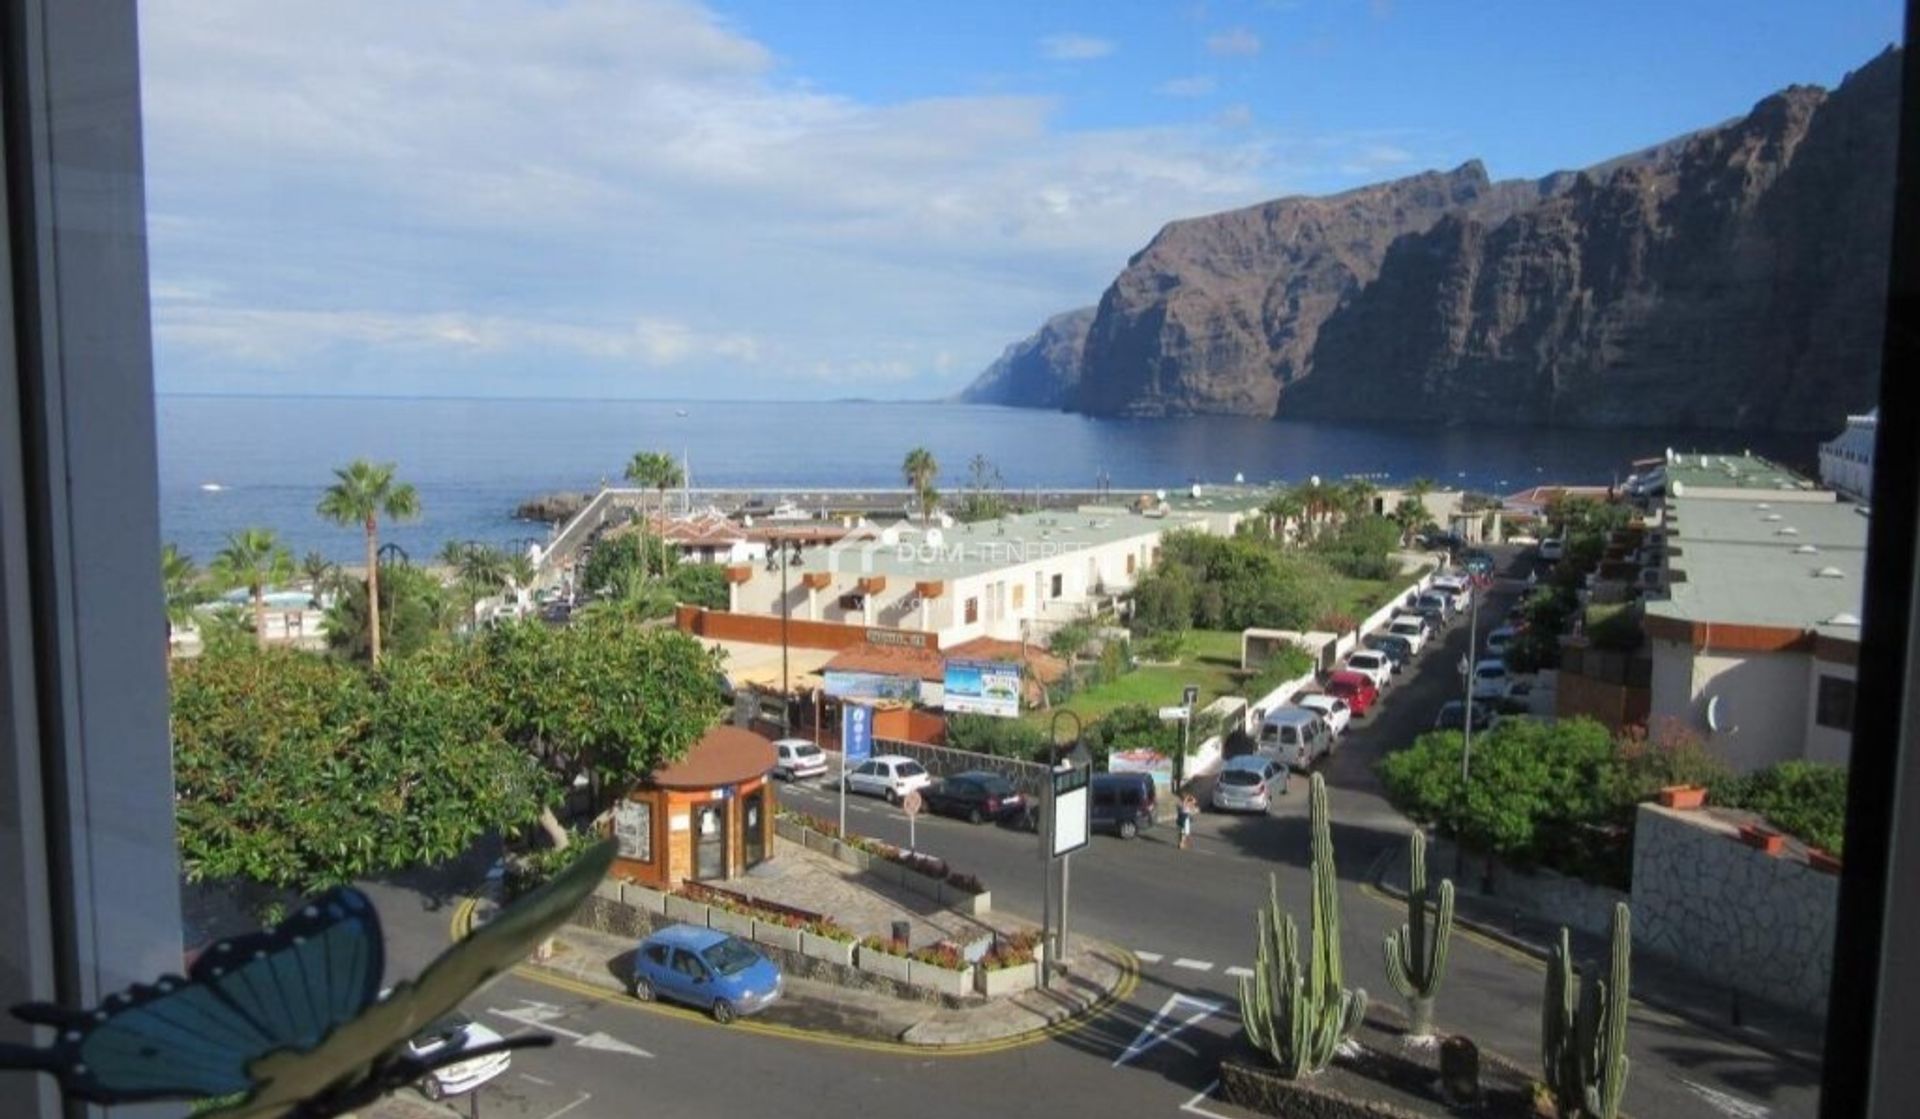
x=1756, y=636
x=1846, y=461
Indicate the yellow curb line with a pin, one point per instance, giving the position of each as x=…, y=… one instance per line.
x=1129, y=979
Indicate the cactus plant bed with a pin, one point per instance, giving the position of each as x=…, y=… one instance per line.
x=1381, y=1079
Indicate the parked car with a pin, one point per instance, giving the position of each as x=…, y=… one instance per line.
x=1246, y=783
x=1451, y=716
x=1121, y=802
x=1477, y=562
x=1490, y=680
x=1552, y=549
x=1372, y=664
x=705, y=968
x=1357, y=689
x=1331, y=708
x=890, y=776
x=1409, y=628
x=1397, y=648
x=975, y=796
x=1295, y=736
x=1437, y=608
x=453, y=1033
x=1458, y=588
x=1499, y=639
x=795, y=758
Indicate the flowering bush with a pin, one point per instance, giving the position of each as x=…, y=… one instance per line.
x=1011, y=951
x=943, y=954
x=876, y=944
x=828, y=929
x=966, y=882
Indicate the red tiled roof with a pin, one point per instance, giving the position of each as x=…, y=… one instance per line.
x=1045, y=665
x=890, y=660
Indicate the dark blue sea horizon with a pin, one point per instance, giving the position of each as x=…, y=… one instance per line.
x=474, y=460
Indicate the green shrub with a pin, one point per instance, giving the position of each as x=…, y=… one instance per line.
x=1168, y=646
x=1132, y=727
x=988, y=734
x=1803, y=799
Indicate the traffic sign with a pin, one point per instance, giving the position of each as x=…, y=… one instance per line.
x=1190, y=695
x=912, y=803
x=1173, y=714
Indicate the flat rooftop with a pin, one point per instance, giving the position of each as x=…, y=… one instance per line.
x=1709, y=470
x=1751, y=561
x=908, y=552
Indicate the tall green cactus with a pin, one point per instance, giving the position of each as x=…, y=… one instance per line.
x=1417, y=957
x=1583, y=1029
x=1301, y=1019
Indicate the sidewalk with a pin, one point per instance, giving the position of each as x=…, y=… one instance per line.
x=1659, y=983
x=1097, y=974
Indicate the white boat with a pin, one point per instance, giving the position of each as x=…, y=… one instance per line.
x=212, y=487
x=787, y=511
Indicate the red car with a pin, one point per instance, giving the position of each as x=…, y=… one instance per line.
x=1355, y=688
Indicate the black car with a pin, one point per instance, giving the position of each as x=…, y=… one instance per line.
x=975, y=796
x=1121, y=802
x=1451, y=718
x=1398, y=649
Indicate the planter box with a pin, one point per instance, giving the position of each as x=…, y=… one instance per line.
x=681, y=909
x=607, y=888
x=790, y=830
x=1683, y=796
x=776, y=936
x=944, y=980
x=1764, y=840
x=851, y=855
x=826, y=948
x=817, y=842
x=888, y=871
x=964, y=901
x=997, y=982
x=883, y=964
x=739, y=924
x=1823, y=860
x=921, y=884
x=644, y=897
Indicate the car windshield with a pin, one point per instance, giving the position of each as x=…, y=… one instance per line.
x=729, y=956
x=1239, y=777
x=443, y=1029
x=1490, y=671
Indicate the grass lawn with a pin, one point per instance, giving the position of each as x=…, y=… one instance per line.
x=1206, y=663
x=1358, y=598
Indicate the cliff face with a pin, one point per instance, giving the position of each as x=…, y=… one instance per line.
x=1039, y=371
x=1734, y=278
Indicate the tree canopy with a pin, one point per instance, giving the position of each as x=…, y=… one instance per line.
x=361, y=494
x=414, y=611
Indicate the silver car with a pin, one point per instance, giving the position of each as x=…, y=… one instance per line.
x=1247, y=784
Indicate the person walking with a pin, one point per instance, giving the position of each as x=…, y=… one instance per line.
x=1183, y=817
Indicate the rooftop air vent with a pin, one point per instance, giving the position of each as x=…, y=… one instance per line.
x=1761, y=505
x=1805, y=550
x=1773, y=517
x=1843, y=620
x=1830, y=573
x=1786, y=530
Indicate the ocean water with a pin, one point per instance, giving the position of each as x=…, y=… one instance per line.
x=473, y=461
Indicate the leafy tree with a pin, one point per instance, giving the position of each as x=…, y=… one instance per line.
x=254, y=559
x=920, y=470
x=180, y=584
x=620, y=564
x=361, y=494
x=1410, y=515
x=1131, y=727
x=413, y=613
x=599, y=699
x=988, y=734
x=660, y=473
x=1361, y=547
x=1807, y=799
x=322, y=575
x=1163, y=601
x=700, y=584
x=300, y=772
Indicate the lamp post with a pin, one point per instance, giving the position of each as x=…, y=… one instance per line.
x=782, y=555
x=387, y=556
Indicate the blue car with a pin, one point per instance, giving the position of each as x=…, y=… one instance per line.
x=705, y=968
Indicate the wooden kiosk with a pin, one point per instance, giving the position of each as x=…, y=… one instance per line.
x=707, y=817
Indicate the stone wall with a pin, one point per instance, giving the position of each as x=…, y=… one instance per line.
x=1761, y=924
x=1537, y=892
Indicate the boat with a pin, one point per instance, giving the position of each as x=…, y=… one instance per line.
x=679, y=411
x=212, y=487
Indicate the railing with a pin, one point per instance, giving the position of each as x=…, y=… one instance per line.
x=942, y=761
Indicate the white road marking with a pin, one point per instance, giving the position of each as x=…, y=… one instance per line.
x=584, y=1097
x=1241, y=972
x=1194, y=965
x=1725, y=1102
x=1153, y=1034
x=1150, y=957
x=1193, y=1105
x=539, y=1015
x=536, y=1080
x=610, y=1044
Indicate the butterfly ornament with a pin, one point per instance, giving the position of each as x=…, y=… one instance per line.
x=290, y=1022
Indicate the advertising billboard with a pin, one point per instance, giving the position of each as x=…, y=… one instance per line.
x=856, y=733
x=983, y=688
x=872, y=686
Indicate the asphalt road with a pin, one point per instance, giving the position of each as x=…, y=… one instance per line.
x=1189, y=917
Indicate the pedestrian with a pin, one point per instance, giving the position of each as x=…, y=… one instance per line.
x=1183, y=816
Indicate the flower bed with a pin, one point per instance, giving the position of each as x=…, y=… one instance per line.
x=765, y=922
x=1010, y=966
x=926, y=875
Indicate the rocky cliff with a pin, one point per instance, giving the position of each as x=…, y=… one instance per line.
x=1730, y=278
x=1039, y=371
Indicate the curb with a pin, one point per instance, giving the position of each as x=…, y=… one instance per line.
x=1380, y=891
x=1071, y=1021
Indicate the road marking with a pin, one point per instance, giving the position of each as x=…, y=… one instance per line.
x=584, y=1097
x=539, y=1015
x=1193, y=1105
x=1194, y=965
x=1240, y=972
x=536, y=1080
x=1726, y=1103
x=1148, y=957
x=1153, y=1034
x=609, y=1044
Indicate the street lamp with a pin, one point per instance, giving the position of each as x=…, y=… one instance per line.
x=781, y=555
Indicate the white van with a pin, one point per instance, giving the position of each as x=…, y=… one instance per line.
x=1294, y=735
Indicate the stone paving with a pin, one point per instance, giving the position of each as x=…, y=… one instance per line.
x=808, y=879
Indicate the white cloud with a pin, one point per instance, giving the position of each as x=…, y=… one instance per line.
x=1075, y=48
x=1236, y=41
x=632, y=189
x=1372, y=158
x=1197, y=86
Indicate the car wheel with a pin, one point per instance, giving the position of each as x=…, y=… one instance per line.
x=640, y=989
x=1128, y=829
x=723, y=1012
x=975, y=816
x=430, y=1088
x=893, y=796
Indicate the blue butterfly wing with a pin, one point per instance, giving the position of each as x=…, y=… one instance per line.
x=285, y=988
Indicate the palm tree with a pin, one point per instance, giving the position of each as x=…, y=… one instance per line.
x=1283, y=507
x=255, y=559
x=1357, y=497
x=1316, y=500
x=661, y=473
x=920, y=470
x=180, y=583
x=1421, y=487
x=482, y=570
x=363, y=493
x=321, y=573
x=1409, y=514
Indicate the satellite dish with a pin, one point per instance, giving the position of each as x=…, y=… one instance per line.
x=890, y=536
x=1194, y=490
x=1719, y=715
x=1313, y=480
x=1239, y=478
x=1161, y=494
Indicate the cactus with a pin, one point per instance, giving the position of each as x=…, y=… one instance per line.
x=1299, y=1018
x=1417, y=958
x=1583, y=1029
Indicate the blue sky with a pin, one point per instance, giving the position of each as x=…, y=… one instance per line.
x=660, y=198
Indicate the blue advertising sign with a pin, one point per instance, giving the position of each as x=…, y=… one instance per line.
x=872, y=685
x=856, y=733
x=983, y=688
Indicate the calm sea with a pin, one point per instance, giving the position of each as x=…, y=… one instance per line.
x=474, y=460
